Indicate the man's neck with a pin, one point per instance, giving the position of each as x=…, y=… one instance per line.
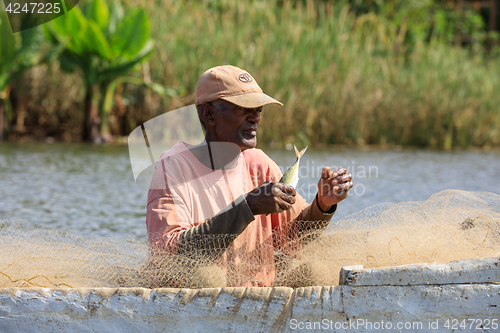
x=216, y=155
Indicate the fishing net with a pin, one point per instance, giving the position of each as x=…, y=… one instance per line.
x=450, y=225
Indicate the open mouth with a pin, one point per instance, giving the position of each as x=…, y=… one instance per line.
x=250, y=132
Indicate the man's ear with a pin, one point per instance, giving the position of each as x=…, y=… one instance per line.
x=207, y=114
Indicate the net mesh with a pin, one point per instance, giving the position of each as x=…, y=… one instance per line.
x=450, y=225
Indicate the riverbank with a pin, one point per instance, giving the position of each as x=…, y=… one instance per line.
x=344, y=77
x=121, y=141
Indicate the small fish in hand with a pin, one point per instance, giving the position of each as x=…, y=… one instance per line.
x=291, y=176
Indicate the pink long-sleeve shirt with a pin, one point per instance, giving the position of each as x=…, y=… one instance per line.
x=185, y=193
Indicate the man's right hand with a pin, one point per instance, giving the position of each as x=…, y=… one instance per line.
x=271, y=197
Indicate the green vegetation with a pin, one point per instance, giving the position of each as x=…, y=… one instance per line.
x=420, y=73
x=18, y=52
x=103, y=44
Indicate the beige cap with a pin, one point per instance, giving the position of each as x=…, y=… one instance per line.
x=231, y=84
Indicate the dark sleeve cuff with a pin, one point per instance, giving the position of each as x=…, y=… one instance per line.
x=330, y=211
x=232, y=220
x=245, y=208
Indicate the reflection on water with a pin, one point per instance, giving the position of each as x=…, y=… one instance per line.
x=91, y=188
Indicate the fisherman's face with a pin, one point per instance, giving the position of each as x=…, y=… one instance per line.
x=236, y=124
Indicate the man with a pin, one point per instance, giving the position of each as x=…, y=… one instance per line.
x=220, y=201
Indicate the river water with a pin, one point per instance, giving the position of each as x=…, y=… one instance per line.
x=91, y=188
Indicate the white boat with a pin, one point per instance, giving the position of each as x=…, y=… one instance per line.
x=458, y=296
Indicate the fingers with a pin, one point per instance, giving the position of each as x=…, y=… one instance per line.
x=332, y=182
x=343, y=195
x=283, y=197
x=284, y=192
x=338, y=189
x=284, y=188
x=275, y=197
x=282, y=206
x=278, y=197
x=327, y=173
x=342, y=179
x=329, y=179
x=339, y=172
x=335, y=184
x=271, y=197
x=290, y=190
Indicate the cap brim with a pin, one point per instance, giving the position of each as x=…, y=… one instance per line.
x=251, y=100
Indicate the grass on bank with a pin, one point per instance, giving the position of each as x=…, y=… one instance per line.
x=343, y=79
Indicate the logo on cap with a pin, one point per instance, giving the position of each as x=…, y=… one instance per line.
x=245, y=77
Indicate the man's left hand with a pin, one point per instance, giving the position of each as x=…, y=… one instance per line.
x=333, y=187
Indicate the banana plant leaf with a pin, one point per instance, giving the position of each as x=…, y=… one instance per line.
x=17, y=51
x=124, y=67
x=132, y=34
x=98, y=12
x=103, y=43
x=7, y=41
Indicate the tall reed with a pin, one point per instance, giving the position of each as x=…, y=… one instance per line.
x=343, y=79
